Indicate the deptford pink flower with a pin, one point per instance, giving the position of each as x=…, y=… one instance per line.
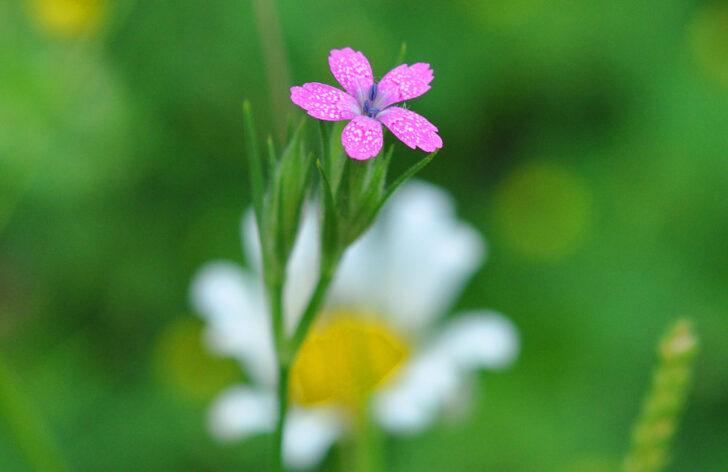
x=367, y=104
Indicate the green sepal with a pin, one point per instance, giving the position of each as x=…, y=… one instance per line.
x=288, y=191
x=330, y=243
x=278, y=195
x=333, y=159
x=349, y=212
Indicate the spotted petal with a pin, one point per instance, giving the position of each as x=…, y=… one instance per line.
x=324, y=102
x=412, y=129
x=405, y=82
x=352, y=70
x=362, y=137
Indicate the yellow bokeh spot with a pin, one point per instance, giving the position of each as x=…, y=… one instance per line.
x=542, y=211
x=67, y=17
x=183, y=363
x=344, y=359
x=709, y=40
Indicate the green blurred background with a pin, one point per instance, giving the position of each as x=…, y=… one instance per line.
x=587, y=140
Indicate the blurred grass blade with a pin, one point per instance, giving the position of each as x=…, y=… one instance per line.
x=402, y=53
x=656, y=426
x=255, y=166
x=26, y=427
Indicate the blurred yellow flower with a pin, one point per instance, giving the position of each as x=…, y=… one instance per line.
x=542, y=211
x=345, y=359
x=378, y=348
x=67, y=18
x=709, y=40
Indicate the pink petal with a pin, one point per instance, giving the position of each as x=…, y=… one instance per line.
x=325, y=102
x=412, y=129
x=362, y=137
x=352, y=70
x=405, y=82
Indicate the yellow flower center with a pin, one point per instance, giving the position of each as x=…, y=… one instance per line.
x=344, y=359
x=67, y=17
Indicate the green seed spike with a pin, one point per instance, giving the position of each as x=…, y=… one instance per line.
x=656, y=426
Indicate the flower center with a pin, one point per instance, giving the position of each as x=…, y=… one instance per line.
x=369, y=108
x=345, y=359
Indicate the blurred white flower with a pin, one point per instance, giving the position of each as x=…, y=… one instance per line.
x=377, y=340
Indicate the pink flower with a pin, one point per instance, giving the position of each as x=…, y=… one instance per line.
x=367, y=104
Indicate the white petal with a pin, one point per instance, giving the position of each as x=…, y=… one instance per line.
x=240, y=412
x=232, y=303
x=482, y=339
x=413, y=400
x=308, y=435
x=251, y=241
x=438, y=377
x=414, y=261
x=303, y=267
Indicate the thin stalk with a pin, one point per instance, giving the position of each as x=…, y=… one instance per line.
x=314, y=305
x=275, y=291
x=367, y=455
x=284, y=370
x=286, y=354
x=275, y=295
x=274, y=57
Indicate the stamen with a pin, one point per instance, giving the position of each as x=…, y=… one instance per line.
x=369, y=110
x=373, y=92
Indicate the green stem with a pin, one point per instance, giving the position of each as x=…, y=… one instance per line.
x=367, y=455
x=314, y=305
x=275, y=294
x=275, y=291
x=283, y=375
x=26, y=427
x=287, y=352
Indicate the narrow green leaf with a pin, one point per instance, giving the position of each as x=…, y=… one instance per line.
x=406, y=176
x=368, y=202
x=325, y=137
x=329, y=229
x=291, y=127
x=272, y=156
x=337, y=159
